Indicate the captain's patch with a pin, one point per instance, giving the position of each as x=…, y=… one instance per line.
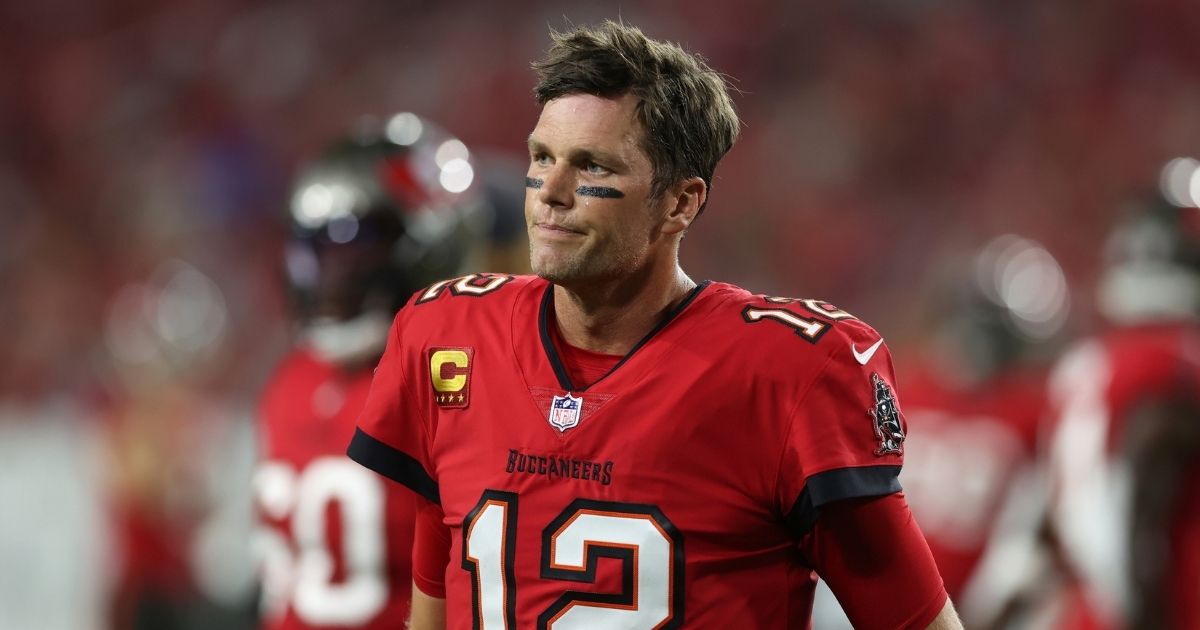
x=450, y=376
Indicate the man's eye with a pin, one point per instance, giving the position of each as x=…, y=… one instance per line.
x=595, y=169
x=541, y=159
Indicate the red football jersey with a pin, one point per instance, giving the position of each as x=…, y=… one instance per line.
x=1095, y=388
x=973, y=449
x=335, y=540
x=672, y=490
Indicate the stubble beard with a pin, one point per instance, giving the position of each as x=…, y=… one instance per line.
x=564, y=267
x=582, y=265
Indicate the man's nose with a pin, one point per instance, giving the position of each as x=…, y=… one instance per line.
x=558, y=187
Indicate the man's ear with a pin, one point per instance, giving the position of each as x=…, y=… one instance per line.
x=686, y=199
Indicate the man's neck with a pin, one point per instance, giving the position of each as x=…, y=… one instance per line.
x=612, y=317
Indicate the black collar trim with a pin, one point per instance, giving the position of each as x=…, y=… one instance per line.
x=560, y=370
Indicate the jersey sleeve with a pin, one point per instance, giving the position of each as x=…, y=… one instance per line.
x=846, y=434
x=431, y=550
x=866, y=547
x=392, y=437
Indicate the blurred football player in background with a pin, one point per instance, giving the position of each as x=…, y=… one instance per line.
x=390, y=209
x=973, y=404
x=1124, y=439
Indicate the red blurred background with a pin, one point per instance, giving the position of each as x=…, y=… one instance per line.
x=147, y=147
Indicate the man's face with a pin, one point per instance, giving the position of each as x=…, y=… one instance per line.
x=587, y=198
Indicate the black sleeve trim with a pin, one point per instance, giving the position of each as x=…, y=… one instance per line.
x=836, y=485
x=393, y=464
x=852, y=483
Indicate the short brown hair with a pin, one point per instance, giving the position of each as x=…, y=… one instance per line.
x=684, y=105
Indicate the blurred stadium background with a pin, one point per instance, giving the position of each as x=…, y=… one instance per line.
x=145, y=155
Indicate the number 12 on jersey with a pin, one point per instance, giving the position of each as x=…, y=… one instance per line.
x=648, y=545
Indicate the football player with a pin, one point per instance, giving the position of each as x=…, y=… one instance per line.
x=1125, y=435
x=611, y=444
x=379, y=214
x=974, y=407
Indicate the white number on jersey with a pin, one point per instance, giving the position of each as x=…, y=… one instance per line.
x=638, y=535
x=300, y=572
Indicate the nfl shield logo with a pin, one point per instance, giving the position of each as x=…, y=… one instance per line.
x=564, y=411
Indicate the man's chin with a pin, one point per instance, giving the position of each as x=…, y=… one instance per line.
x=558, y=273
x=557, y=276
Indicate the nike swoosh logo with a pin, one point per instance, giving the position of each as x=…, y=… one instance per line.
x=864, y=356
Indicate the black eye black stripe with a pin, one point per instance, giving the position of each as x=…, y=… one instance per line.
x=602, y=192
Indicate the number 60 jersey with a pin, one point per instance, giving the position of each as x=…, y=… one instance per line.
x=334, y=541
x=673, y=491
